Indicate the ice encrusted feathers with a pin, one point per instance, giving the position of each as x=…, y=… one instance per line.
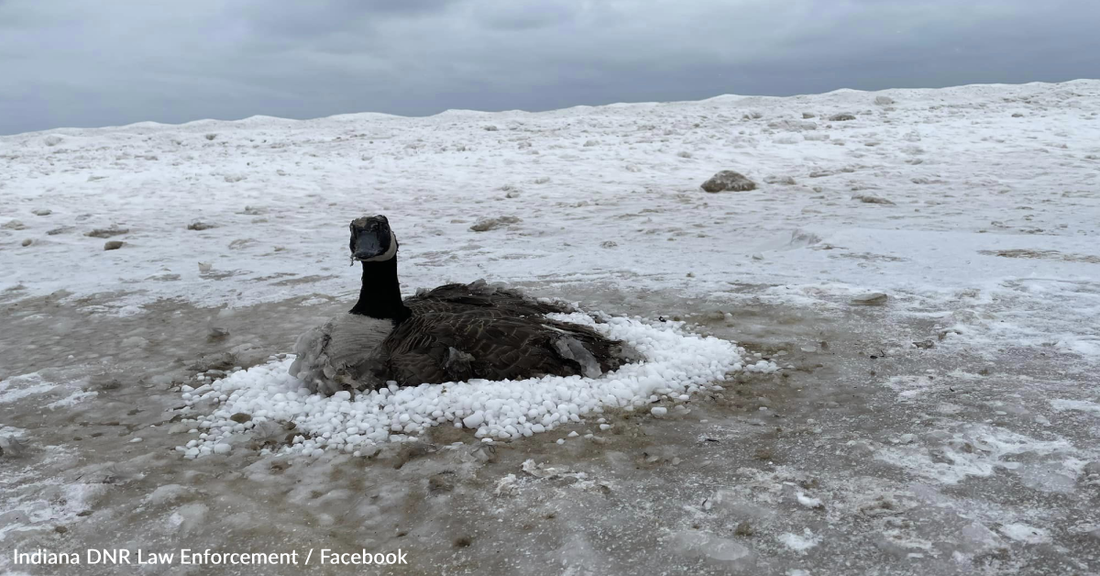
x=338, y=355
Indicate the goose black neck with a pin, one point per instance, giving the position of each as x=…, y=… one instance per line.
x=380, y=295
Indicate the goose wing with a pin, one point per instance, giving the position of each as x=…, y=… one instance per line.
x=491, y=301
x=442, y=346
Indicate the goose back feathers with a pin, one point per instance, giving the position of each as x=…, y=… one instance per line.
x=462, y=331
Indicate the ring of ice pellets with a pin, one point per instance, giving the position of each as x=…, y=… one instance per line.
x=676, y=364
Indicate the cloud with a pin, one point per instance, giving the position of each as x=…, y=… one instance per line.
x=525, y=15
x=71, y=62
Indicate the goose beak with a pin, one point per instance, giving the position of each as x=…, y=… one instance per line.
x=372, y=240
x=369, y=246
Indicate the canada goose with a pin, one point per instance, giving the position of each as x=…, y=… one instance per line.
x=452, y=333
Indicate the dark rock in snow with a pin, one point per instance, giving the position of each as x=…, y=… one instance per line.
x=241, y=417
x=728, y=181
x=196, y=225
x=872, y=199
x=221, y=361
x=871, y=299
x=841, y=117
x=486, y=224
x=113, y=245
x=113, y=230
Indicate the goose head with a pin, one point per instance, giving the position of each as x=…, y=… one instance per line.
x=372, y=240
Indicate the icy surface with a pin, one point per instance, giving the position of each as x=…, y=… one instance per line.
x=800, y=542
x=19, y=387
x=921, y=266
x=979, y=196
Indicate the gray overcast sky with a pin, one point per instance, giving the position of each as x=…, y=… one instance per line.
x=85, y=63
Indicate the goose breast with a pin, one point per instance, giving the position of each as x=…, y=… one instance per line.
x=340, y=354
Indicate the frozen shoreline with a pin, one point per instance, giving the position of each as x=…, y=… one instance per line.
x=949, y=426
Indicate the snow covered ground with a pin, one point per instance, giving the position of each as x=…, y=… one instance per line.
x=951, y=428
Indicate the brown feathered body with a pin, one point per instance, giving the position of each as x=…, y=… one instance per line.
x=454, y=333
x=461, y=331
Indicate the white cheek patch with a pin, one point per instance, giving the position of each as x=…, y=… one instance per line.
x=389, y=253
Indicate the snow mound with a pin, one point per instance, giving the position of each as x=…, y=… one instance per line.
x=675, y=363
